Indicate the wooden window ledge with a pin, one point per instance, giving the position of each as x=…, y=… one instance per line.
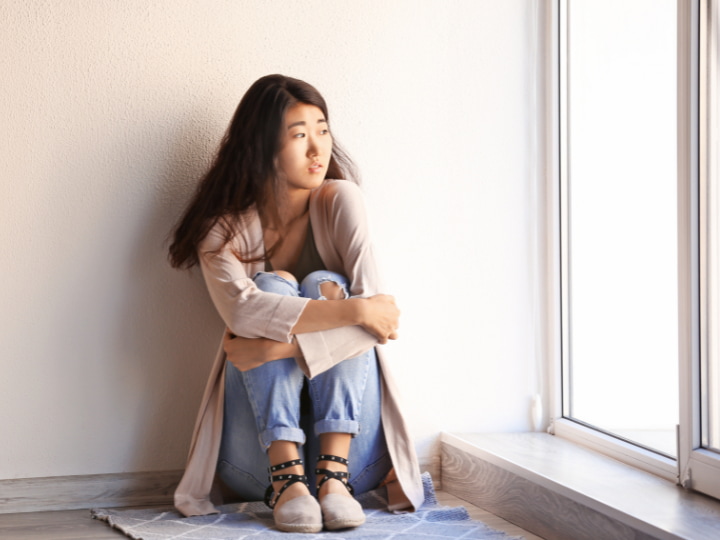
x=557, y=489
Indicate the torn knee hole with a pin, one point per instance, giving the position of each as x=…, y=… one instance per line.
x=332, y=290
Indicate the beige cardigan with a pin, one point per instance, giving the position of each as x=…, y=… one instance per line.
x=339, y=222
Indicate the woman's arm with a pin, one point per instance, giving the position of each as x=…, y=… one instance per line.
x=342, y=237
x=378, y=315
x=246, y=353
x=246, y=310
x=343, y=218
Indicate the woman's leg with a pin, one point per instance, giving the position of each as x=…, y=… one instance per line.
x=243, y=462
x=262, y=406
x=368, y=457
x=346, y=407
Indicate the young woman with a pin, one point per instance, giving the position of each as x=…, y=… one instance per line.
x=279, y=230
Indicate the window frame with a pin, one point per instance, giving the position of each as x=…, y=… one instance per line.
x=694, y=468
x=699, y=469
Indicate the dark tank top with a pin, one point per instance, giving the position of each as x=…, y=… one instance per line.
x=309, y=259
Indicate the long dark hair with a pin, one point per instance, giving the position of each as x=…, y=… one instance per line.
x=243, y=174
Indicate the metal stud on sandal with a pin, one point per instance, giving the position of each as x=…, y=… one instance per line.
x=301, y=514
x=338, y=511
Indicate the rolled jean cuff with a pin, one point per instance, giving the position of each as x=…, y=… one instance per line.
x=337, y=426
x=269, y=436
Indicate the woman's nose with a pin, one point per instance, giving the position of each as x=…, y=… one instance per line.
x=313, y=148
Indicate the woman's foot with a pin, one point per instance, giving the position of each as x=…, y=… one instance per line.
x=340, y=510
x=294, y=509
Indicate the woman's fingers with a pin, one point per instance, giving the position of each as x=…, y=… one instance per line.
x=383, y=317
x=240, y=352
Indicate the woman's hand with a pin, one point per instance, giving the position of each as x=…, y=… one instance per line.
x=243, y=353
x=246, y=353
x=380, y=316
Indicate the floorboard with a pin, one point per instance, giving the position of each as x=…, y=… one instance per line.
x=78, y=525
x=55, y=525
x=486, y=517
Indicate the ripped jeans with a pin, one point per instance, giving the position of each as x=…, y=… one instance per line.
x=277, y=402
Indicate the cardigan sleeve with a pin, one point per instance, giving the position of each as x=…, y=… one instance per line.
x=246, y=310
x=347, y=216
x=344, y=244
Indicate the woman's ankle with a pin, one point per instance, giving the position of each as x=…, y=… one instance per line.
x=278, y=485
x=336, y=484
x=285, y=468
x=298, y=489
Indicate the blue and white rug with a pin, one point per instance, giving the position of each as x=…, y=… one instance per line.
x=254, y=520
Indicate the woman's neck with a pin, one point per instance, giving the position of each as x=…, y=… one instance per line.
x=283, y=242
x=293, y=206
x=296, y=205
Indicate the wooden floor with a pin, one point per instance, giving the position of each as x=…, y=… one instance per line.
x=78, y=525
x=487, y=518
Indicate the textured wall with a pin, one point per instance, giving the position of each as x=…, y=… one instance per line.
x=111, y=110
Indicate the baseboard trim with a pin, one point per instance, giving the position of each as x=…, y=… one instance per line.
x=88, y=491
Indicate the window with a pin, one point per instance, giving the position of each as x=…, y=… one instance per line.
x=621, y=246
x=639, y=228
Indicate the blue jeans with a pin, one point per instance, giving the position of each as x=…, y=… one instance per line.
x=277, y=402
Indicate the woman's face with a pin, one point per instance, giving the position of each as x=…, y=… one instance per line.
x=306, y=146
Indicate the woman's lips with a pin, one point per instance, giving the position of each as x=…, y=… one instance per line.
x=315, y=167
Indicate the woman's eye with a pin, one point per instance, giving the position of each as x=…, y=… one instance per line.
x=298, y=135
x=324, y=131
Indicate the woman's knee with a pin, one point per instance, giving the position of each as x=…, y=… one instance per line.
x=287, y=276
x=325, y=285
x=278, y=282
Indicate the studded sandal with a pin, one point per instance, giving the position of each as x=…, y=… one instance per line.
x=301, y=514
x=338, y=511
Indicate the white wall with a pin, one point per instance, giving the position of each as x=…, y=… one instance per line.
x=111, y=110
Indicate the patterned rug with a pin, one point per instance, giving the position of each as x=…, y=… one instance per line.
x=245, y=520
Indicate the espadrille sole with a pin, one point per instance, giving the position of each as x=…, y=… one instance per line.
x=338, y=524
x=301, y=514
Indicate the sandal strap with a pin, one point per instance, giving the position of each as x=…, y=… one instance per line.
x=334, y=475
x=330, y=457
x=281, y=466
x=270, y=497
x=341, y=476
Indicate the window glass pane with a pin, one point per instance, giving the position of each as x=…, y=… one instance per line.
x=622, y=201
x=711, y=380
